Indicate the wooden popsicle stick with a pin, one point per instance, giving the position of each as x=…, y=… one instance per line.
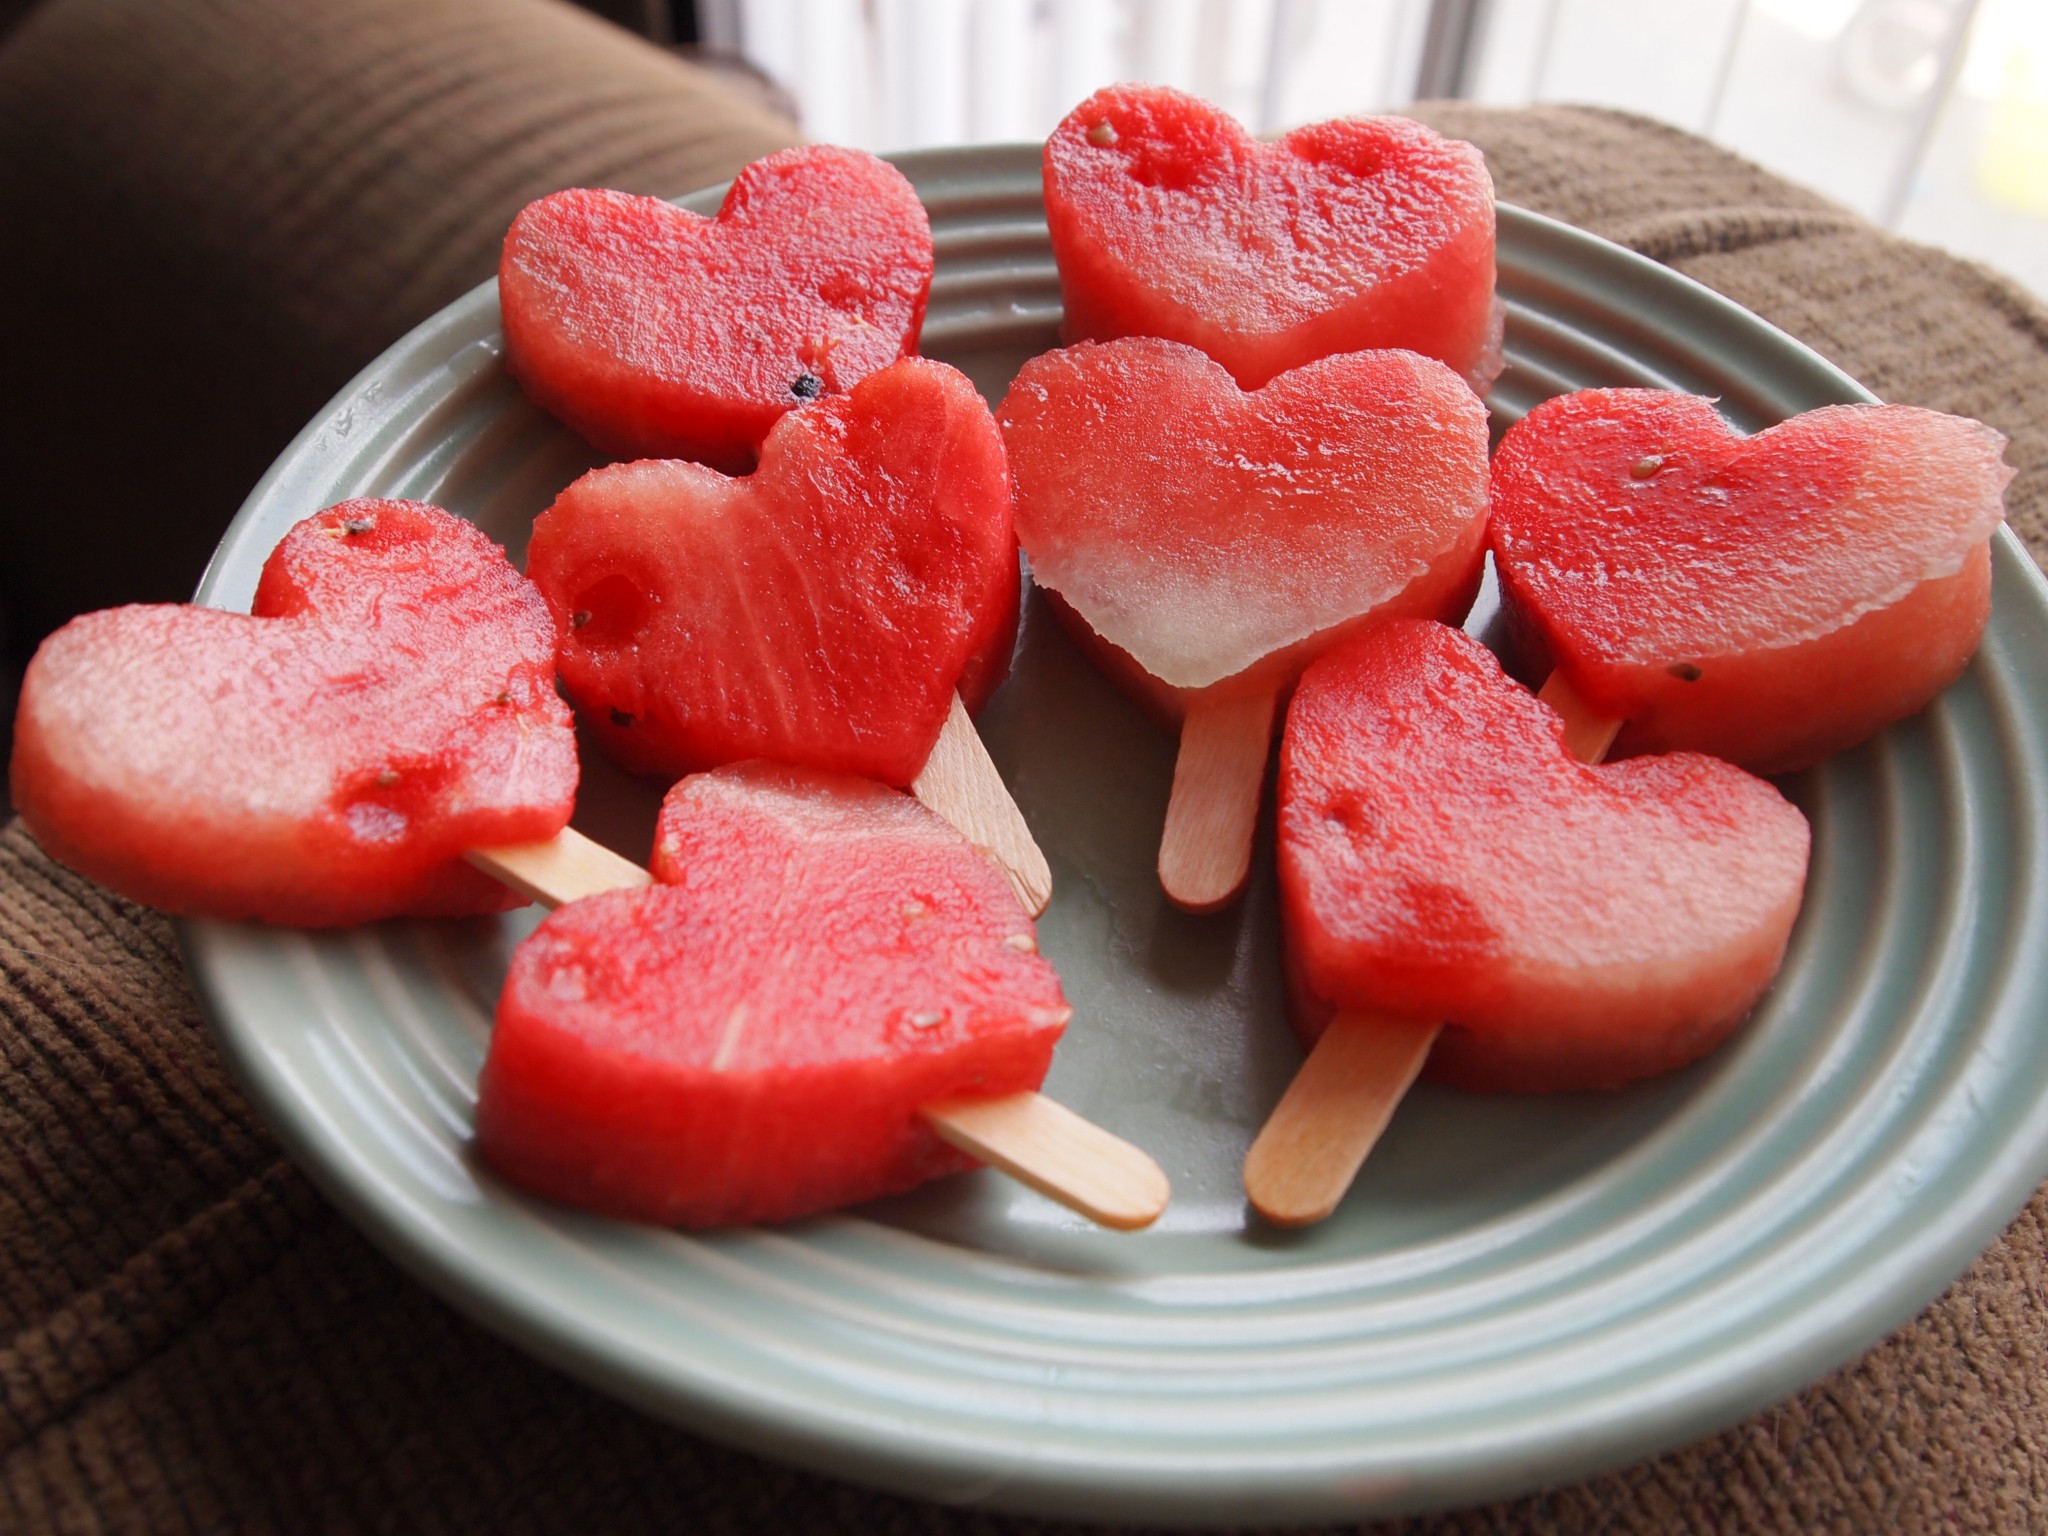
x=1587, y=733
x=1313, y=1144
x=960, y=784
x=1205, y=852
x=1319, y=1134
x=564, y=868
x=1026, y=1135
x=1045, y=1145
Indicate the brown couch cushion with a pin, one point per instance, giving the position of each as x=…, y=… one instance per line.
x=219, y=210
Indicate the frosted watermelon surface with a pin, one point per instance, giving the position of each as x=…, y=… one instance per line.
x=325, y=760
x=821, y=611
x=1168, y=219
x=1442, y=857
x=1210, y=538
x=657, y=332
x=1769, y=599
x=751, y=1040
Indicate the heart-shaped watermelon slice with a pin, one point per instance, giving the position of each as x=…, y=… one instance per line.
x=1211, y=539
x=1168, y=219
x=1442, y=857
x=1769, y=599
x=657, y=332
x=752, y=1040
x=820, y=611
x=324, y=760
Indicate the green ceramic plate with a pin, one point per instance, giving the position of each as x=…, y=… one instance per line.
x=1518, y=1290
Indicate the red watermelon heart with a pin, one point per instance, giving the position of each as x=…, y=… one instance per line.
x=820, y=611
x=655, y=332
x=1769, y=599
x=751, y=1041
x=1210, y=538
x=1168, y=219
x=1442, y=857
x=324, y=760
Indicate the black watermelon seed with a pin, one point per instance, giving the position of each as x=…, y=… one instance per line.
x=807, y=386
x=621, y=719
x=1684, y=671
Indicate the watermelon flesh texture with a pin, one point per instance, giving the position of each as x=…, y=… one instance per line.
x=821, y=611
x=1202, y=540
x=750, y=1041
x=1771, y=599
x=1168, y=219
x=322, y=761
x=654, y=332
x=1442, y=857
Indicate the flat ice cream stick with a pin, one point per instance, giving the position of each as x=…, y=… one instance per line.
x=960, y=784
x=1053, y=1150
x=1026, y=1135
x=1587, y=733
x=564, y=868
x=1205, y=853
x=1313, y=1144
x=1319, y=1134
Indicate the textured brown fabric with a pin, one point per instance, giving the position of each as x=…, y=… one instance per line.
x=193, y=1340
